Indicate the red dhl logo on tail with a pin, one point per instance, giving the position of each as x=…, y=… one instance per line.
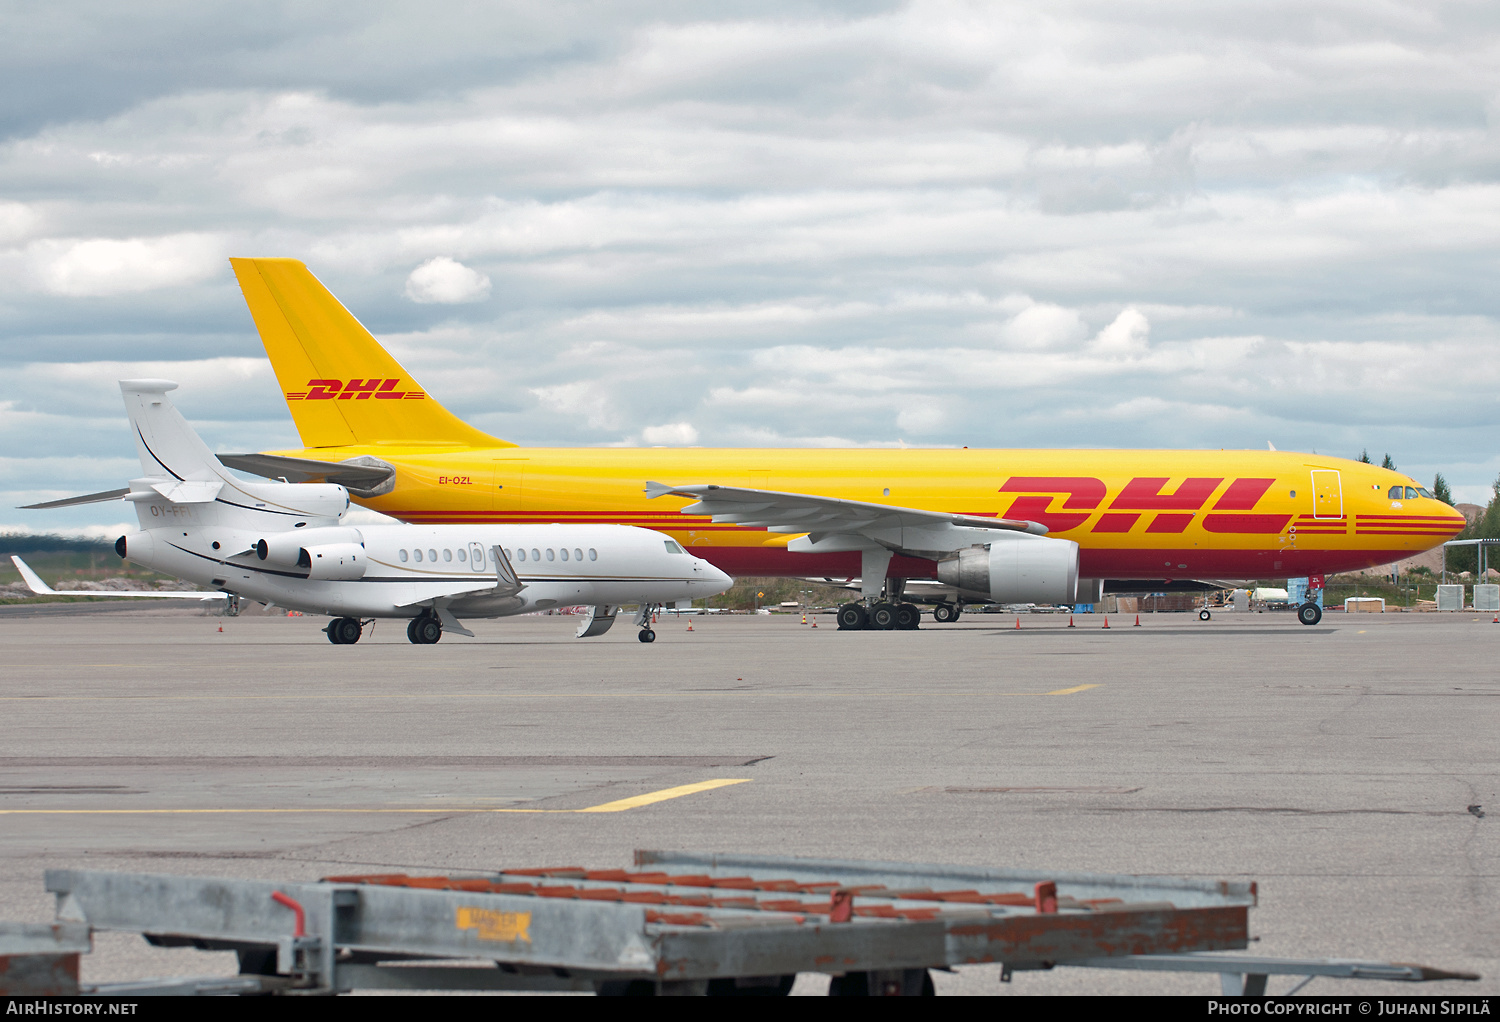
x=362, y=390
x=1085, y=494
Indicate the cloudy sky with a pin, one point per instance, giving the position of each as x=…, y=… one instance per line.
x=992, y=224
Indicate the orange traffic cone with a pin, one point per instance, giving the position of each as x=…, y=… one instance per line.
x=815, y=622
x=221, y=628
x=1137, y=620
x=1018, y=623
x=690, y=624
x=1070, y=620
x=804, y=619
x=1106, y=620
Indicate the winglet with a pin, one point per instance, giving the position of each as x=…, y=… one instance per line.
x=654, y=490
x=505, y=575
x=33, y=580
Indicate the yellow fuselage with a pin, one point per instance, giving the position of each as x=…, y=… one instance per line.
x=1135, y=514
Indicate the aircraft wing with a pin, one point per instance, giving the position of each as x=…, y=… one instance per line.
x=506, y=583
x=35, y=584
x=777, y=511
x=352, y=475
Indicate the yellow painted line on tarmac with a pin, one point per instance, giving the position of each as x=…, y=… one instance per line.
x=1071, y=691
x=617, y=806
x=661, y=796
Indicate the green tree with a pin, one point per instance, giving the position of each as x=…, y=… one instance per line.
x=1364, y=456
x=1440, y=490
x=1388, y=463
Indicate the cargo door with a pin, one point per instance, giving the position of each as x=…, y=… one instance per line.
x=1328, y=494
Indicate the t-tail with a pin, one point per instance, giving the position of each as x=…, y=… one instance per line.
x=342, y=387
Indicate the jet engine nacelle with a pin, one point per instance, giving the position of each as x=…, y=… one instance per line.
x=1015, y=571
x=288, y=547
x=334, y=562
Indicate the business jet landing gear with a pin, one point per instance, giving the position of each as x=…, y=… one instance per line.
x=344, y=631
x=1309, y=613
x=643, y=622
x=946, y=613
x=424, y=629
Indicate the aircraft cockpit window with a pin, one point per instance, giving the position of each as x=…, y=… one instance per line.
x=521, y=554
x=403, y=556
x=564, y=552
x=593, y=554
x=447, y=555
x=461, y=555
x=1411, y=493
x=550, y=555
x=1396, y=492
x=417, y=554
x=672, y=547
x=1423, y=491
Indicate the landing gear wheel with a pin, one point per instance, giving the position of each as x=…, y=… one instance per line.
x=1309, y=613
x=425, y=630
x=883, y=616
x=646, y=635
x=344, y=631
x=908, y=617
x=852, y=618
x=944, y=613
x=1204, y=615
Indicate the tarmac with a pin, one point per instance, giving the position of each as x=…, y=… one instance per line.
x=1335, y=765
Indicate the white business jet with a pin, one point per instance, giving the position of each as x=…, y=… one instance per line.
x=284, y=544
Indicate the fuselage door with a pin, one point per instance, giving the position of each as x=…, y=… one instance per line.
x=476, y=557
x=1328, y=494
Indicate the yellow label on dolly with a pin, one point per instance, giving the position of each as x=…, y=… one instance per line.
x=509, y=927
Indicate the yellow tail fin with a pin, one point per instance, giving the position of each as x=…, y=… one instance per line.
x=342, y=387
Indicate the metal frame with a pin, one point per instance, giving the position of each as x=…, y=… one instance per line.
x=676, y=923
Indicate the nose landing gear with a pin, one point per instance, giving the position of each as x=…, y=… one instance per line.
x=1309, y=613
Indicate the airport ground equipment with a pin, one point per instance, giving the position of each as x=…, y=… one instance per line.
x=675, y=923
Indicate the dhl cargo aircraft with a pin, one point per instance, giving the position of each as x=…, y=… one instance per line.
x=990, y=525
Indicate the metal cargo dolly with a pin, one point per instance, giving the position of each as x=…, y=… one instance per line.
x=675, y=923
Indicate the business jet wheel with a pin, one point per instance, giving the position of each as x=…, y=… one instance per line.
x=344, y=631
x=424, y=630
x=852, y=618
x=883, y=616
x=1204, y=615
x=908, y=617
x=647, y=635
x=1309, y=613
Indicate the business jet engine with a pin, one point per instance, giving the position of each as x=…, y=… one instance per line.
x=333, y=554
x=1022, y=569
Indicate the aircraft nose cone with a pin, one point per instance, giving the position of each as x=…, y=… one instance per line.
x=716, y=576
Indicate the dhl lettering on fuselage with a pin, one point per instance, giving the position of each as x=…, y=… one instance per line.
x=1177, y=509
x=354, y=389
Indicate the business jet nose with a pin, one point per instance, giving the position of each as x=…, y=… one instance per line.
x=715, y=576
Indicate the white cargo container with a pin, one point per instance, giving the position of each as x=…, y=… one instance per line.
x=1450, y=597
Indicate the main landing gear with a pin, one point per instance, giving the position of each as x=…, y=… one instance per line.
x=881, y=616
x=344, y=631
x=425, y=629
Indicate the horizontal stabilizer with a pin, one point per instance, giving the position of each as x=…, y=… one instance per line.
x=189, y=491
x=350, y=475
x=35, y=584
x=87, y=498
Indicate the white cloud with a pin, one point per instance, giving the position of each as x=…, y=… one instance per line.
x=1129, y=335
x=443, y=281
x=76, y=268
x=679, y=434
